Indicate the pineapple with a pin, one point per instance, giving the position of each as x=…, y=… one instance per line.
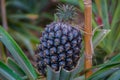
x=60, y=43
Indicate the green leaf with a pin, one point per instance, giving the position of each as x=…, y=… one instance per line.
x=116, y=17
x=65, y=75
x=112, y=6
x=102, y=74
x=104, y=10
x=32, y=27
x=74, y=2
x=7, y=73
x=2, y=77
x=18, y=4
x=116, y=58
x=99, y=36
x=18, y=54
x=15, y=67
x=94, y=24
x=104, y=71
x=70, y=75
x=115, y=76
x=81, y=4
x=18, y=16
x=52, y=75
x=78, y=68
x=20, y=27
x=26, y=42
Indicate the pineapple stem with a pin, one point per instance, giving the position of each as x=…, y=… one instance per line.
x=87, y=37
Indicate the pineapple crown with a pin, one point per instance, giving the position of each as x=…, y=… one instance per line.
x=65, y=13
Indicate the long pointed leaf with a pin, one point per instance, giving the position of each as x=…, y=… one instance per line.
x=104, y=10
x=26, y=42
x=115, y=76
x=18, y=54
x=99, y=36
x=15, y=67
x=65, y=75
x=52, y=75
x=6, y=72
x=116, y=58
x=78, y=68
x=104, y=71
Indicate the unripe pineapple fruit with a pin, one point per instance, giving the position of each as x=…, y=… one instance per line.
x=60, y=45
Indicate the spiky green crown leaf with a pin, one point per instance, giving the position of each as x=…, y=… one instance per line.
x=66, y=13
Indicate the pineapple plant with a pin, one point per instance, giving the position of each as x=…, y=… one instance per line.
x=60, y=44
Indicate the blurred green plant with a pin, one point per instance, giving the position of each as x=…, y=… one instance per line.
x=22, y=17
x=110, y=20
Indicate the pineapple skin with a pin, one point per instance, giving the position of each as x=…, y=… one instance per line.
x=60, y=46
